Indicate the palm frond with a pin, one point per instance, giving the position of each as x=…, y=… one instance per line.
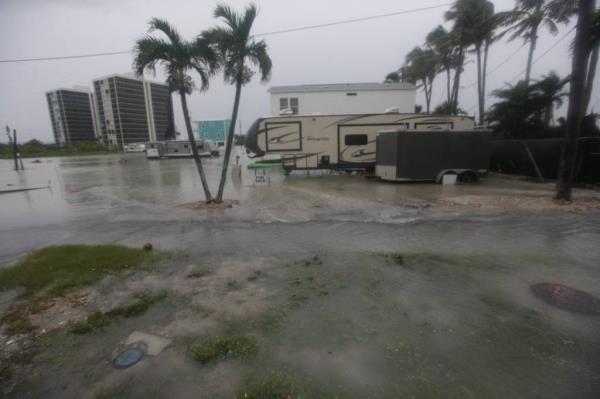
x=165, y=27
x=257, y=54
x=150, y=51
x=228, y=14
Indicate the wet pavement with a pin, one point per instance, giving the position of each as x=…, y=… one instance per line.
x=413, y=294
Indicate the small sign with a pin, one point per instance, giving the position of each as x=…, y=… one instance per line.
x=260, y=180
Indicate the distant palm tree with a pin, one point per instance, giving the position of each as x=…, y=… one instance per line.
x=393, y=77
x=441, y=41
x=517, y=112
x=550, y=89
x=237, y=50
x=525, y=21
x=178, y=57
x=422, y=65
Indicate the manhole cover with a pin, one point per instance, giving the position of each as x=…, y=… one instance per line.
x=567, y=298
x=128, y=358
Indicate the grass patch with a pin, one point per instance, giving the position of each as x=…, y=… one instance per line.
x=138, y=307
x=113, y=393
x=274, y=387
x=60, y=269
x=99, y=320
x=212, y=349
x=19, y=326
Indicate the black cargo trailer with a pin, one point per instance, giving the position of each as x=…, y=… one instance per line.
x=429, y=155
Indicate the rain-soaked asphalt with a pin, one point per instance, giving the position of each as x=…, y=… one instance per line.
x=454, y=318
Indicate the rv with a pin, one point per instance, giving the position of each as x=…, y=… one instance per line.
x=341, y=142
x=430, y=155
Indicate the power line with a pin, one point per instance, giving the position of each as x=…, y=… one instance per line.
x=349, y=21
x=496, y=67
x=66, y=57
x=545, y=52
x=302, y=28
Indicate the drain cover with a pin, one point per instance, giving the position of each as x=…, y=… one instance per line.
x=128, y=358
x=567, y=298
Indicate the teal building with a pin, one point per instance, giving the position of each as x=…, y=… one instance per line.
x=215, y=130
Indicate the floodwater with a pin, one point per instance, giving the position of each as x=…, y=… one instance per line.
x=353, y=288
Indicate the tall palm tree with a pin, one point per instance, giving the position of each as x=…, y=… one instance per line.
x=474, y=25
x=525, y=21
x=178, y=57
x=594, y=46
x=575, y=112
x=482, y=36
x=461, y=14
x=237, y=50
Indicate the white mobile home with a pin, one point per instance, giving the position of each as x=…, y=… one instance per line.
x=342, y=98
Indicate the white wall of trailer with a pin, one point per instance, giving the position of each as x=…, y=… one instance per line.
x=351, y=102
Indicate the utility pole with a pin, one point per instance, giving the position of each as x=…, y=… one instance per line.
x=14, y=145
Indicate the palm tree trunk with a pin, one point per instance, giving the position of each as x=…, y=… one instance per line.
x=589, y=81
x=427, y=89
x=448, y=85
x=532, y=46
x=479, y=98
x=236, y=104
x=575, y=111
x=484, y=78
x=197, y=161
x=457, y=74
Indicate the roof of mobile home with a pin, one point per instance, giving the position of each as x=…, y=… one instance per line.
x=341, y=87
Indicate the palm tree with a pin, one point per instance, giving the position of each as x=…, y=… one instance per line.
x=525, y=22
x=517, y=112
x=474, y=25
x=237, y=50
x=575, y=112
x=594, y=46
x=178, y=57
x=461, y=13
x=550, y=89
x=422, y=65
x=393, y=77
x=440, y=41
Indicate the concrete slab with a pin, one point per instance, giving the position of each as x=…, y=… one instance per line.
x=154, y=343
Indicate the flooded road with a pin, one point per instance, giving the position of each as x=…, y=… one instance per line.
x=353, y=288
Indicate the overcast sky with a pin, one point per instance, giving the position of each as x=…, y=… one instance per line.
x=358, y=52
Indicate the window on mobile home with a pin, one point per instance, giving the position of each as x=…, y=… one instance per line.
x=283, y=103
x=356, y=139
x=289, y=103
x=294, y=105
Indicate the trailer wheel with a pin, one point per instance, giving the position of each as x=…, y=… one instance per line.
x=468, y=177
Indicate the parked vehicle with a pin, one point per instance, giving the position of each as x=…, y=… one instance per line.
x=180, y=149
x=342, y=142
x=135, y=147
x=428, y=155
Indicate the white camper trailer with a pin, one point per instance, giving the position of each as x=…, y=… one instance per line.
x=341, y=142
